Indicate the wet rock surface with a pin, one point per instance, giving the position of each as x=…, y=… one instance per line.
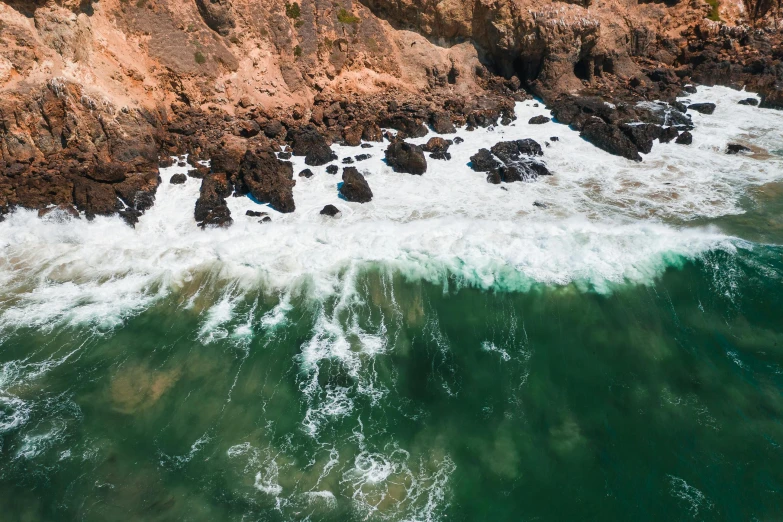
x=406, y=158
x=510, y=161
x=354, y=187
x=211, y=208
x=330, y=210
x=268, y=179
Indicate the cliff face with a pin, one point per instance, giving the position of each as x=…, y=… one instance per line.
x=92, y=91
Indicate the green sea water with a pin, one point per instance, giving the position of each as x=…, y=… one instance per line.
x=406, y=400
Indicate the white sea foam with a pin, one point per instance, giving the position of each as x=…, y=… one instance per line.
x=608, y=221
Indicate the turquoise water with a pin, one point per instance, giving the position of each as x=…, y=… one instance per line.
x=617, y=358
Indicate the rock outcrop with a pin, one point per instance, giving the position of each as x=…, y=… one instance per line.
x=406, y=158
x=510, y=161
x=354, y=187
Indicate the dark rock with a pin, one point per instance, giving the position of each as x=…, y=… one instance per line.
x=668, y=134
x=178, y=179
x=366, y=146
x=249, y=128
x=255, y=213
x=306, y=173
x=362, y=157
x=199, y=172
x=268, y=179
x=686, y=138
x=372, y=132
x=483, y=161
x=690, y=89
x=354, y=187
x=554, y=138
x=330, y=210
x=265, y=219
x=539, y=120
x=539, y=204
x=182, y=164
x=458, y=140
x=749, y=101
x=211, y=209
x=736, y=148
x=441, y=123
x=165, y=161
x=332, y=169
x=284, y=155
x=347, y=161
x=704, y=108
x=412, y=127
x=274, y=129
x=308, y=142
x=610, y=138
x=679, y=106
x=437, y=145
x=517, y=161
x=642, y=134
x=407, y=158
x=441, y=156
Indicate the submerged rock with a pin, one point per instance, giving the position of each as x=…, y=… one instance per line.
x=330, y=210
x=703, y=108
x=406, y=158
x=736, y=148
x=354, y=187
x=686, y=138
x=539, y=120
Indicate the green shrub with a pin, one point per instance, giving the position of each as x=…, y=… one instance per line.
x=297, y=51
x=199, y=58
x=292, y=10
x=347, y=18
x=299, y=23
x=715, y=11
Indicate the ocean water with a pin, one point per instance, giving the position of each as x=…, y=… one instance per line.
x=602, y=344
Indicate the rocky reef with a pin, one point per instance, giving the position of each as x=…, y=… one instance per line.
x=97, y=95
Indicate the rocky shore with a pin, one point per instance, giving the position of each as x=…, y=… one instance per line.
x=613, y=73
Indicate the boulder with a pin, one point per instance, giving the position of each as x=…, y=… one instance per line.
x=510, y=161
x=539, y=120
x=306, y=173
x=610, y=138
x=332, y=169
x=703, y=108
x=686, y=138
x=437, y=145
x=352, y=136
x=211, y=209
x=441, y=123
x=668, y=134
x=407, y=158
x=274, y=129
x=642, y=134
x=372, y=132
x=483, y=161
x=308, y=142
x=268, y=179
x=330, y=210
x=749, y=101
x=178, y=179
x=354, y=187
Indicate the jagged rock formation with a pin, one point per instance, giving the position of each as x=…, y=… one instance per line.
x=93, y=92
